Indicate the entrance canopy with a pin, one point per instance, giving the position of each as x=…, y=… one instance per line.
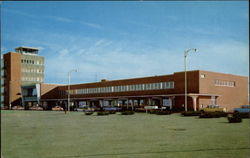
x=131, y=97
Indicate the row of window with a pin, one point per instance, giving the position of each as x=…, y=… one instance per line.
x=37, y=62
x=124, y=88
x=224, y=83
x=34, y=79
x=32, y=70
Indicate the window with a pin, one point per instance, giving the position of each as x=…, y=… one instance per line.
x=130, y=87
x=203, y=75
x=157, y=85
x=124, y=88
x=164, y=85
x=115, y=88
x=224, y=83
x=78, y=91
x=161, y=87
x=138, y=87
x=153, y=86
x=171, y=84
x=102, y=89
x=147, y=86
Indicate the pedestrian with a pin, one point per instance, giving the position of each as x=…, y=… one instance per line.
x=64, y=108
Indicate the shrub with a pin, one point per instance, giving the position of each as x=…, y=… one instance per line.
x=163, y=112
x=221, y=113
x=235, y=118
x=140, y=110
x=112, y=112
x=127, y=112
x=213, y=114
x=152, y=111
x=191, y=113
x=244, y=115
x=206, y=115
x=101, y=113
x=89, y=113
x=178, y=109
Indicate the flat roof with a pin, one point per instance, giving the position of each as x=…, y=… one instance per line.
x=23, y=47
x=117, y=80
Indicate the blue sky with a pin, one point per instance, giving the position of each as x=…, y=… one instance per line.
x=117, y=40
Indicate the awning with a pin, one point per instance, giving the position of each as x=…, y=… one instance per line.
x=130, y=97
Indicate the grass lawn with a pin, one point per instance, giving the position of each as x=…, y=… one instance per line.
x=51, y=134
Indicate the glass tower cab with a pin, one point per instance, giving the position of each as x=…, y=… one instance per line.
x=27, y=50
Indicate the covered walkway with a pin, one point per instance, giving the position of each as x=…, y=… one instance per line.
x=133, y=102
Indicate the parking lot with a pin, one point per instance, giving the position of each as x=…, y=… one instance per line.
x=52, y=134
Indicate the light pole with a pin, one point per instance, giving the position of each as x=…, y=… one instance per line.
x=185, y=63
x=69, y=73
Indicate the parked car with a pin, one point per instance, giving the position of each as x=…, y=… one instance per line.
x=89, y=109
x=111, y=109
x=79, y=109
x=4, y=108
x=243, y=109
x=17, y=108
x=36, y=108
x=151, y=108
x=96, y=108
x=140, y=110
x=213, y=108
x=57, y=108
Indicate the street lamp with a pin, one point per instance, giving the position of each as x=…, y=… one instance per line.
x=185, y=63
x=69, y=73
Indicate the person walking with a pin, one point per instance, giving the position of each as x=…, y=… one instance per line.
x=64, y=109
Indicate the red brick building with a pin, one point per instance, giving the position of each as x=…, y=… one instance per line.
x=24, y=76
x=22, y=68
x=203, y=88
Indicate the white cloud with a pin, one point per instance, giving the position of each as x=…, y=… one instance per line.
x=57, y=18
x=113, y=60
x=93, y=25
x=63, y=53
x=227, y=56
x=61, y=19
x=108, y=63
x=118, y=59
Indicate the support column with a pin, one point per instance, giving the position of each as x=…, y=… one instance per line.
x=149, y=102
x=171, y=102
x=213, y=100
x=132, y=105
x=127, y=103
x=161, y=101
x=194, y=102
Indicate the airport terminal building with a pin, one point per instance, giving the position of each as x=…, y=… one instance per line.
x=24, y=76
x=22, y=72
x=203, y=88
